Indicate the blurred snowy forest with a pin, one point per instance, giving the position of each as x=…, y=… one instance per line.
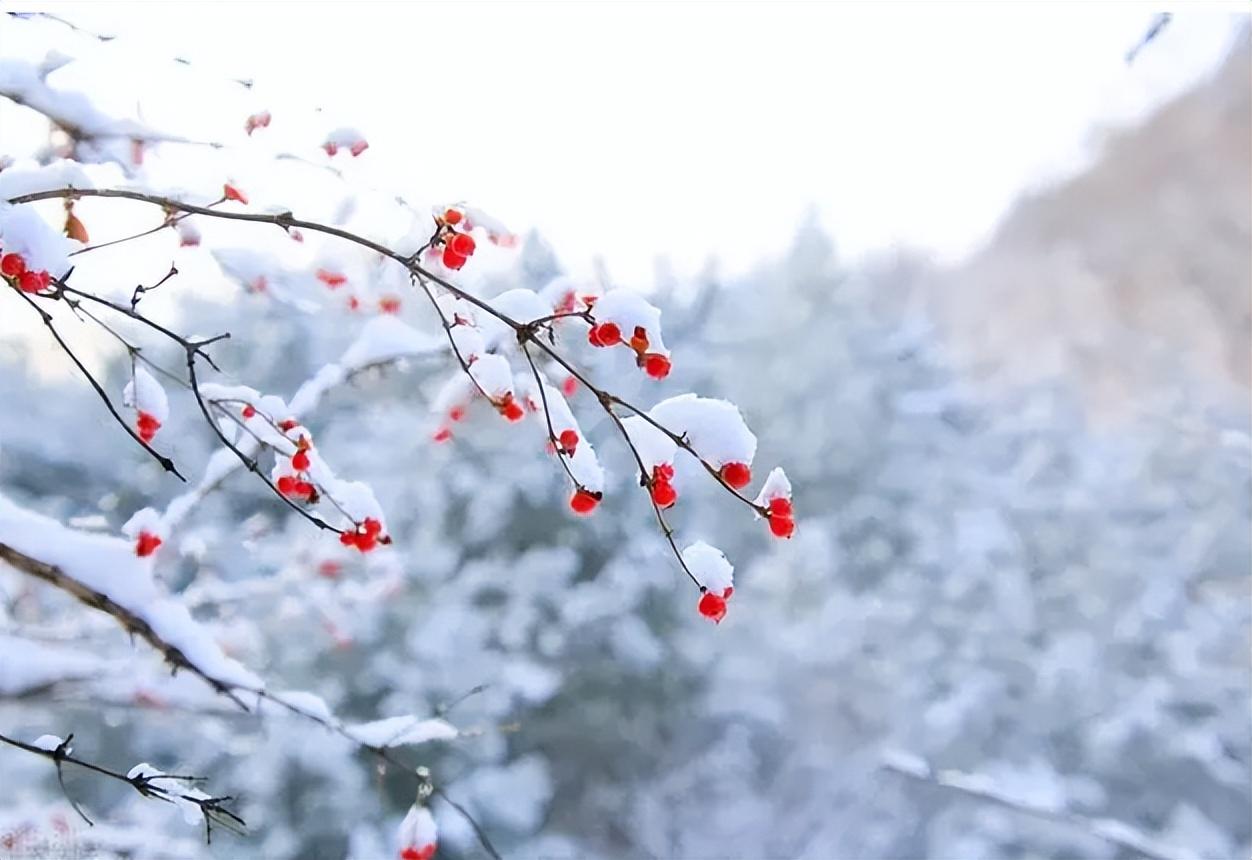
x=1014, y=620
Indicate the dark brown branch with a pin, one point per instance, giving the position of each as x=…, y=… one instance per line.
x=526, y=331
x=248, y=462
x=211, y=808
x=166, y=463
x=137, y=626
x=129, y=621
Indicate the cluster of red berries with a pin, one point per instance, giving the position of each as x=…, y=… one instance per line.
x=426, y=852
x=607, y=334
x=255, y=121
x=712, y=606
x=458, y=247
x=782, y=524
x=146, y=544
x=583, y=502
x=366, y=536
x=296, y=488
x=663, y=492
x=736, y=475
x=13, y=267
x=297, y=485
x=146, y=425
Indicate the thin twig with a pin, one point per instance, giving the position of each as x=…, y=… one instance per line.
x=146, y=785
x=166, y=463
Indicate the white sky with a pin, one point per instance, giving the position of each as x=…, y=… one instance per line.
x=703, y=129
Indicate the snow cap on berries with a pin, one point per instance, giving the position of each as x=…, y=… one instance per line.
x=147, y=530
x=715, y=428
x=419, y=836
x=655, y=447
x=776, y=486
x=345, y=138
x=493, y=375
x=146, y=396
x=583, y=463
x=630, y=311
x=42, y=247
x=709, y=565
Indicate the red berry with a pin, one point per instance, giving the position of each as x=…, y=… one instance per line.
x=12, y=265
x=568, y=440
x=780, y=507
x=737, y=475
x=331, y=279
x=583, y=502
x=358, y=147
x=353, y=303
x=371, y=526
x=389, y=304
x=610, y=334
x=656, y=365
x=569, y=386
x=452, y=259
x=30, y=282
x=331, y=147
x=462, y=244
x=330, y=569
x=730, y=589
x=664, y=494
x=248, y=410
x=230, y=192
x=457, y=413
x=712, y=607
x=288, y=424
x=593, y=336
x=300, y=461
x=443, y=434
x=147, y=544
x=147, y=425
x=286, y=485
x=639, y=340
x=366, y=541
x=782, y=527
x=511, y=409
x=663, y=472
x=451, y=216
x=348, y=538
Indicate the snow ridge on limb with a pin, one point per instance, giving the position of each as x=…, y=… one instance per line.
x=106, y=574
x=911, y=766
